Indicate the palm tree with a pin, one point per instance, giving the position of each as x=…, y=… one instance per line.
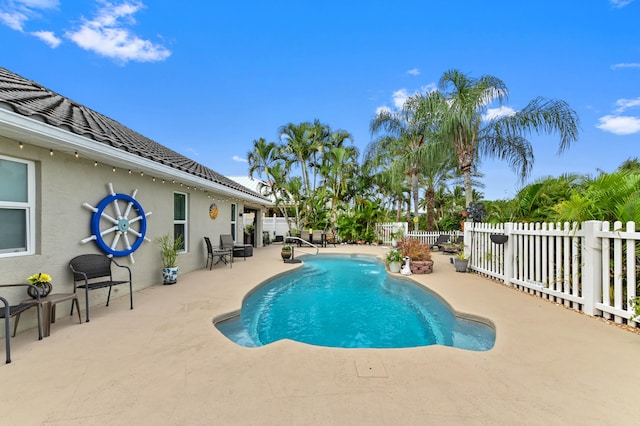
x=405, y=134
x=462, y=106
x=263, y=156
x=537, y=202
x=630, y=164
x=613, y=196
x=437, y=166
x=298, y=145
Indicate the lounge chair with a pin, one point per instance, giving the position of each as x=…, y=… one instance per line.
x=441, y=241
x=454, y=247
x=10, y=311
x=318, y=238
x=331, y=239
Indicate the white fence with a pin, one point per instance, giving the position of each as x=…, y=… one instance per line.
x=589, y=267
x=386, y=231
x=275, y=226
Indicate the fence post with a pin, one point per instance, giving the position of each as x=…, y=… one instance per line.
x=467, y=234
x=591, y=266
x=509, y=253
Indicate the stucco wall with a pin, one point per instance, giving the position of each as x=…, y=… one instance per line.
x=64, y=183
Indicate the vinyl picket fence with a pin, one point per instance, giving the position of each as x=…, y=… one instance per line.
x=591, y=267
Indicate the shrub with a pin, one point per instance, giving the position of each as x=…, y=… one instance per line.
x=393, y=256
x=415, y=249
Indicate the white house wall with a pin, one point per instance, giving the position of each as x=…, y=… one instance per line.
x=64, y=183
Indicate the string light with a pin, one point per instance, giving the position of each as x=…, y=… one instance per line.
x=129, y=171
x=141, y=173
x=76, y=154
x=154, y=179
x=113, y=170
x=20, y=145
x=95, y=164
x=162, y=180
x=51, y=152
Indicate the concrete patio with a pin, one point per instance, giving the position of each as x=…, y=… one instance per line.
x=164, y=363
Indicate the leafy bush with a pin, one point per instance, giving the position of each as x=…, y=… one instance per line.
x=393, y=256
x=415, y=249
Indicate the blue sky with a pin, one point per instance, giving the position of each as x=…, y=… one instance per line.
x=206, y=78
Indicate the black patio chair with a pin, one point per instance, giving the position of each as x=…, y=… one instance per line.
x=455, y=246
x=94, y=272
x=9, y=312
x=441, y=241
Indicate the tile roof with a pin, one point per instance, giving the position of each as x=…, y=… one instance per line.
x=31, y=99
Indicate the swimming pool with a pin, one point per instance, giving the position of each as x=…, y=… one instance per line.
x=351, y=302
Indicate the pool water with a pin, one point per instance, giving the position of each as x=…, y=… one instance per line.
x=351, y=302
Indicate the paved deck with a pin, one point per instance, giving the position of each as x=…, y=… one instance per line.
x=164, y=363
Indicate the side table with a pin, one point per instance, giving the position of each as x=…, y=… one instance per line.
x=48, y=309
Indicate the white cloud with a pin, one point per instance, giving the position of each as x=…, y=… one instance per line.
x=620, y=3
x=619, y=125
x=382, y=109
x=414, y=71
x=502, y=111
x=48, y=37
x=239, y=159
x=431, y=87
x=624, y=104
x=13, y=19
x=40, y=4
x=107, y=35
x=400, y=97
x=625, y=65
x=15, y=14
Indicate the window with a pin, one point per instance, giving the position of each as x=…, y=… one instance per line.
x=17, y=207
x=180, y=218
x=234, y=219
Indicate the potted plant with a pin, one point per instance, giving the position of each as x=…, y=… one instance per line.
x=461, y=261
x=286, y=252
x=40, y=283
x=420, y=255
x=169, y=250
x=396, y=236
x=248, y=234
x=394, y=260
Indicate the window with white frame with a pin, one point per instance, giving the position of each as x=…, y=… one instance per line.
x=234, y=219
x=180, y=215
x=17, y=206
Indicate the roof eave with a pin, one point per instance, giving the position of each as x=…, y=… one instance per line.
x=28, y=130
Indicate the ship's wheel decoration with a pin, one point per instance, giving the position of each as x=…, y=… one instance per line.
x=109, y=222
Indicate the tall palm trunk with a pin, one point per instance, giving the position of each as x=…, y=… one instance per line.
x=415, y=193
